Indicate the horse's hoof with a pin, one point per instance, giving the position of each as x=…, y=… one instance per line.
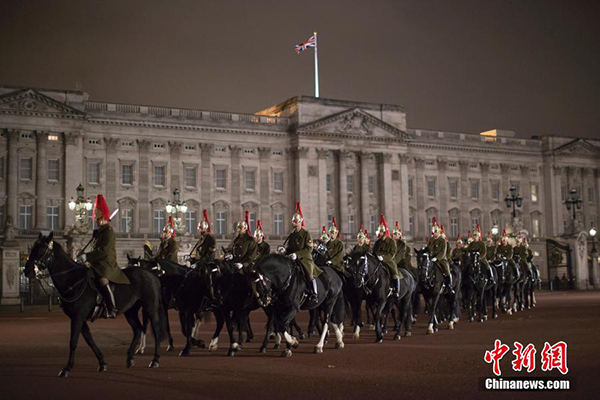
x=318, y=350
x=397, y=337
x=302, y=336
x=169, y=348
x=380, y=340
x=451, y=325
x=184, y=353
x=198, y=343
x=102, y=368
x=154, y=364
x=407, y=334
x=248, y=340
x=430, y=331
x=65, y=373
x=130, y=363
x=357, y=336
x=213, y=347
x=455, y=320
x=262, y=350
x=230, y=353
x=295, y=343
x=485, y=317
x=495, y=316
x=371, y=327
x=509, y=312
x=277, y=346
x=286, y=353
x=340, y=345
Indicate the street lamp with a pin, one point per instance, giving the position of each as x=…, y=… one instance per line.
x=574, y=203
x=80, y=206
x=593, y=235
x=175, y=208
x=495, y=231
x=513, y=200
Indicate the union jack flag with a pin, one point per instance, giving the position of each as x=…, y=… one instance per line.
x=311, y=42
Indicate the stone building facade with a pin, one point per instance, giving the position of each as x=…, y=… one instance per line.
x=350, y=160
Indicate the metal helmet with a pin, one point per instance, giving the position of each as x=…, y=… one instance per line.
x=205, y=223
x=435, y=228
x=397, y=230
x=298, y=216
x=259, y=229
x=333, y=229
x=361, y=234
x=324, y=236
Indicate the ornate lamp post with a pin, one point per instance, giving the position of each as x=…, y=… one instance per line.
x=80, y=206
x=495, y=231
x=593, y=235
x=513, y=200
x=175, y=208
x=573, y=202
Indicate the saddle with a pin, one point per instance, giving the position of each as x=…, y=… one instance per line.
x=100, y=309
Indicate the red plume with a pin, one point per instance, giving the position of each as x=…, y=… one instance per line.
x=504, y=232
x=259, y=225
x=458, y=237
x=434, y=221
x=172, y=224
x=247, y=219
x=334, y=222
x=442, y=229
x=479, y=230
x=324, y=230
x=205, y=212
x=100, y=204
x=367, y=234
x=299, y=211
x=360, y=228
x=427, y=240
x=384, y=222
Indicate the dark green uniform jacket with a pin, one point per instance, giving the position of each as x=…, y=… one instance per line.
x=360, y=250
x=244, y=250
x=386, y=248
x=457, y=254
x=263, y=250
x=403, y=256
x=168, y=250
x=490, y=252
x=524, y=253
x=205, y=249
x=103, y=257
x=299, y=242
x=437, y=250
x=335, y=253
x=481, y=248
x=506, y=251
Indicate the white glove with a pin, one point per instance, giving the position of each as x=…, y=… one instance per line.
x=329, y=262
x=228, y=256
x=238, y=265
x=281, y=250
x=434, y=259
x=380, y=258
x=188, y=264
x=293, y=256
x=82, y=258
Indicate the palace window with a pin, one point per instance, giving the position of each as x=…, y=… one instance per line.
x=372, y=225
x=53, y=138
x=127, y=174
x=410, y=187
x=190, y=177
x=350, y=183
x=160, y=175
x=250, y=176
x=278, y=181
x=371, y=182
x=453, y=226
x=159, y=220
x=534, y=193
x=221, y=223
x=495, y=191
x=431, y=187
x=26, y=168
x=252, y=220
x=475, y=190
x=563, y=193
x=453, y=189
x=351, y=223
x=25, y=213
x=278, y=223
x=221, y=178
x=127, y=220
x=53, y=170
x=190, y=222
x=1, y=169
x=535, y=224
x=591, y=194
x=411, y=225
x=52, y=218
x=328, y=183
x=93, y=173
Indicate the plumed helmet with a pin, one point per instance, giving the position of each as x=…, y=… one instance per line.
x=383, y=227
x=324, y=235
x=477, y=233
x=170, y=226
x=435, y=228
x=459, y=241
x=101, y=206
x=397, y=230
x=443, y=232
x=298, y=216
x=367, y=237
x=520, y=239
x=205, y=223
x=333, y=229
x=259, y=229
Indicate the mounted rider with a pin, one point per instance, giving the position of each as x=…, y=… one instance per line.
x=204, y=250
x=242, y=252
x=385, y=250
x=361, y=247
x=262, y=247
x=169, y=247
x=299, y=248
x=324, y=238
x=458, y=251
x=402, y=257
x=448, y=247
x=437, y=252
x=479, y=246
x=490, y=247
x=103, y=256
x=336, y=249
x=523, y=253
x=505, y=250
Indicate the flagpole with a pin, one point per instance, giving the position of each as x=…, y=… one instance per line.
x=316, y=68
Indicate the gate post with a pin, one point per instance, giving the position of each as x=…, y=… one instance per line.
x=9, y=273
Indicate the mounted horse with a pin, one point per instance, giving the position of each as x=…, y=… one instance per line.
x=74, y=286
x=280, y=282
x=370, y=276
x=506, y=278
x=433, y=289
x=521, y=283
x=479, y=287
x=529, y=286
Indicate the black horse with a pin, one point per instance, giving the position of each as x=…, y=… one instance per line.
x=521, y=283
x=78, y=295
x=370, y=276
x=506, y=278
x=479, y=288
x=281, y=282
x=533, y=280
x=433, y=289
x=183, y=288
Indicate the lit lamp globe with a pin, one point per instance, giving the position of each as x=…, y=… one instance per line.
x=494, y=230
x=593, y=232
x=184, y=208
x=88, y=204
x=169, y=208
x=72, y=204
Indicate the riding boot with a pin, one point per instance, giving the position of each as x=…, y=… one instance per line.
x=396, y=288
x=448, y=282
x=109, y=299
x=313, y=296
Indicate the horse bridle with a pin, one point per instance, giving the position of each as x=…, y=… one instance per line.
x=364, y=272
x=428, y=279
x=270, y=296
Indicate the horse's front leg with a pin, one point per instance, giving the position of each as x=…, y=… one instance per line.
x=230, y=322
x=168, y=326
x=76, y=326
x=432, y=327
x=284, y=321
x=187, y=323
x=378, y=324
x=269, y=328
x=325, y=328
x=87, y=335
x=214, y=341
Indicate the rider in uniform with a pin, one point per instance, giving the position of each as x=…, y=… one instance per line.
x=490, y=248
x=243, y=250
x=168, y=245
x=103, y=256
x=299, y=247
x=206, y=246
x=437, y=252
x=385, y=250
x=532, y=266
x=448, y=247
x=402, y=257
x=478, y=245
x=324, y=239
x=505, y=249
x=522, y=252
x=263, y=247
x=335, y=249
x=361, y=247
x=457, y=252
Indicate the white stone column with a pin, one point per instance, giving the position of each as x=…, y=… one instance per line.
x=12, y=175
x=579, y=260
x=443, y=192
x=387, y=189
x=404, y=218
x=144, y=190
x=465, y=217
x=485, y=196
x=342, y=218
x=265, y=188
x=41, y=180
x=236, y=184
x=206, y=179
x=322, y=187
x=112, y=174
x=74, y=171
x=176, y=166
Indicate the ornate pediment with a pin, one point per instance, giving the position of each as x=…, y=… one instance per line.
x=353, y=123
x=578, y=148
x=32, y=102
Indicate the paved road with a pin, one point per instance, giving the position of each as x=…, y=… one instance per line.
x=34, y=347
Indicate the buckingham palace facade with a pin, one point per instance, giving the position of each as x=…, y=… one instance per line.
x=346, y=159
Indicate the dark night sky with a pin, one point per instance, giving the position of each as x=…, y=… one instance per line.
x=469, y=66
